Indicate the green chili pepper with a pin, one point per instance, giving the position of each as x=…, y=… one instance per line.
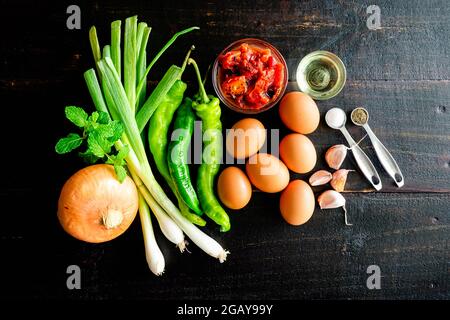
x=157, y=138
x=208, y=109
x=177, y=155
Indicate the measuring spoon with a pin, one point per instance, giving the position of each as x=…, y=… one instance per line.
x=386, y=159
x=336, y=119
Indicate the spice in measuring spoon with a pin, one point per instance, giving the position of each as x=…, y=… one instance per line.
x=360, y=117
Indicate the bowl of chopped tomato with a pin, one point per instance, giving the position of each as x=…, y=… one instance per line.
x=250, y=76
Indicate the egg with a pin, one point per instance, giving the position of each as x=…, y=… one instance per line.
x=267, y=173
x=234, y=188
x=297, y=203
x=299, y=112
x=245, y=138
x=298, y=153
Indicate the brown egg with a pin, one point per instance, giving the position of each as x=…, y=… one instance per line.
x=298, y=153
x=299, y=112
x=245, y=138
x=233, y=188
x=267, y=173
x=297, y=203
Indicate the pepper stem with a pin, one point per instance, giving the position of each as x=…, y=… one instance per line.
x=201, y=87
x=183, y=66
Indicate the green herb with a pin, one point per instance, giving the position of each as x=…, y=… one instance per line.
x=100, y=134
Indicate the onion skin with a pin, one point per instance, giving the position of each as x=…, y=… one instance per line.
x=89, y=196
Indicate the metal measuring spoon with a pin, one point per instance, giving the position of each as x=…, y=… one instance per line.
x=360, y=117
x=336, y=119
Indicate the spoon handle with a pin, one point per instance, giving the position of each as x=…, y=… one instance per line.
x=386, y=159
x=363, y=161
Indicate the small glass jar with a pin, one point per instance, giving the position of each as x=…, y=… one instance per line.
x=321, y=75
x=216, y=76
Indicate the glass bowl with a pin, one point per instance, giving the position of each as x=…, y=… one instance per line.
x=216, y=75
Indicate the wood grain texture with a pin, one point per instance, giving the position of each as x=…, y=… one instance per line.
x=399, y=73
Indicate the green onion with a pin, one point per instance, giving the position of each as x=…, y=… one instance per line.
x=95, y=46
x=158, y=55
x=118, y=101
x=94, y=90
x=153, y=254
x=142, y=64
x=129, y=63
x=115, y=45
x=157, y=96
x=138, y=162
x=106, y=51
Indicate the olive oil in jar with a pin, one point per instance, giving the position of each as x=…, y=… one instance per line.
x=321, y=74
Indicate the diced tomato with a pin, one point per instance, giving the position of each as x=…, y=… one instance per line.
x=230, y=60
x=253, y=76
x=278, y=75
x=235, y=86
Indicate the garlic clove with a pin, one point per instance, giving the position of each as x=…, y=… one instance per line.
x=339, y=179
x=335, y=156
x=320, y=177
x=332, y=199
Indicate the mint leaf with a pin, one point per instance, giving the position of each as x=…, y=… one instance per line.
x=111, y=160
x=121, y=173
x=96, y=144
x=121, y=155
x=69, y=143
x=88, y=157
x=94, y=117
x=77, y=116
x=117, y=130
x=103, y=118
x=104, y=131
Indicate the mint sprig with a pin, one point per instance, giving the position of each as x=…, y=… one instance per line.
x=99, y=134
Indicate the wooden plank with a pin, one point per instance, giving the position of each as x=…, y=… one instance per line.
x=412, y=44
x=399, y=73
x=322, y=259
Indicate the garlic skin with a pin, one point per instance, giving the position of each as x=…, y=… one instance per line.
x=332, y=199
x=339, y=179
x=320, y=177
x=335, y=156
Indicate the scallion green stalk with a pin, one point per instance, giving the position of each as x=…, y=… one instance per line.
x=158, y=55
x=95, y=45
x=95, y=91
x=142, y=65
x=129, y=63
x=106, y=51
x=157, y=96
x=115, y=45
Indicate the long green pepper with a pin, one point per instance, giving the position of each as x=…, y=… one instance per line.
x=157, y=138
x=208, y=110
x=177, y=154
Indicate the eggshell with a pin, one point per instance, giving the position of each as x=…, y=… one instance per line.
x=234, y=188
x=298, y=153
x=297, y=203
x=245, y=138
x=267, y=173
x=299, y=112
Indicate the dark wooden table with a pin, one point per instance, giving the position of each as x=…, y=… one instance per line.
x=399, y=72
